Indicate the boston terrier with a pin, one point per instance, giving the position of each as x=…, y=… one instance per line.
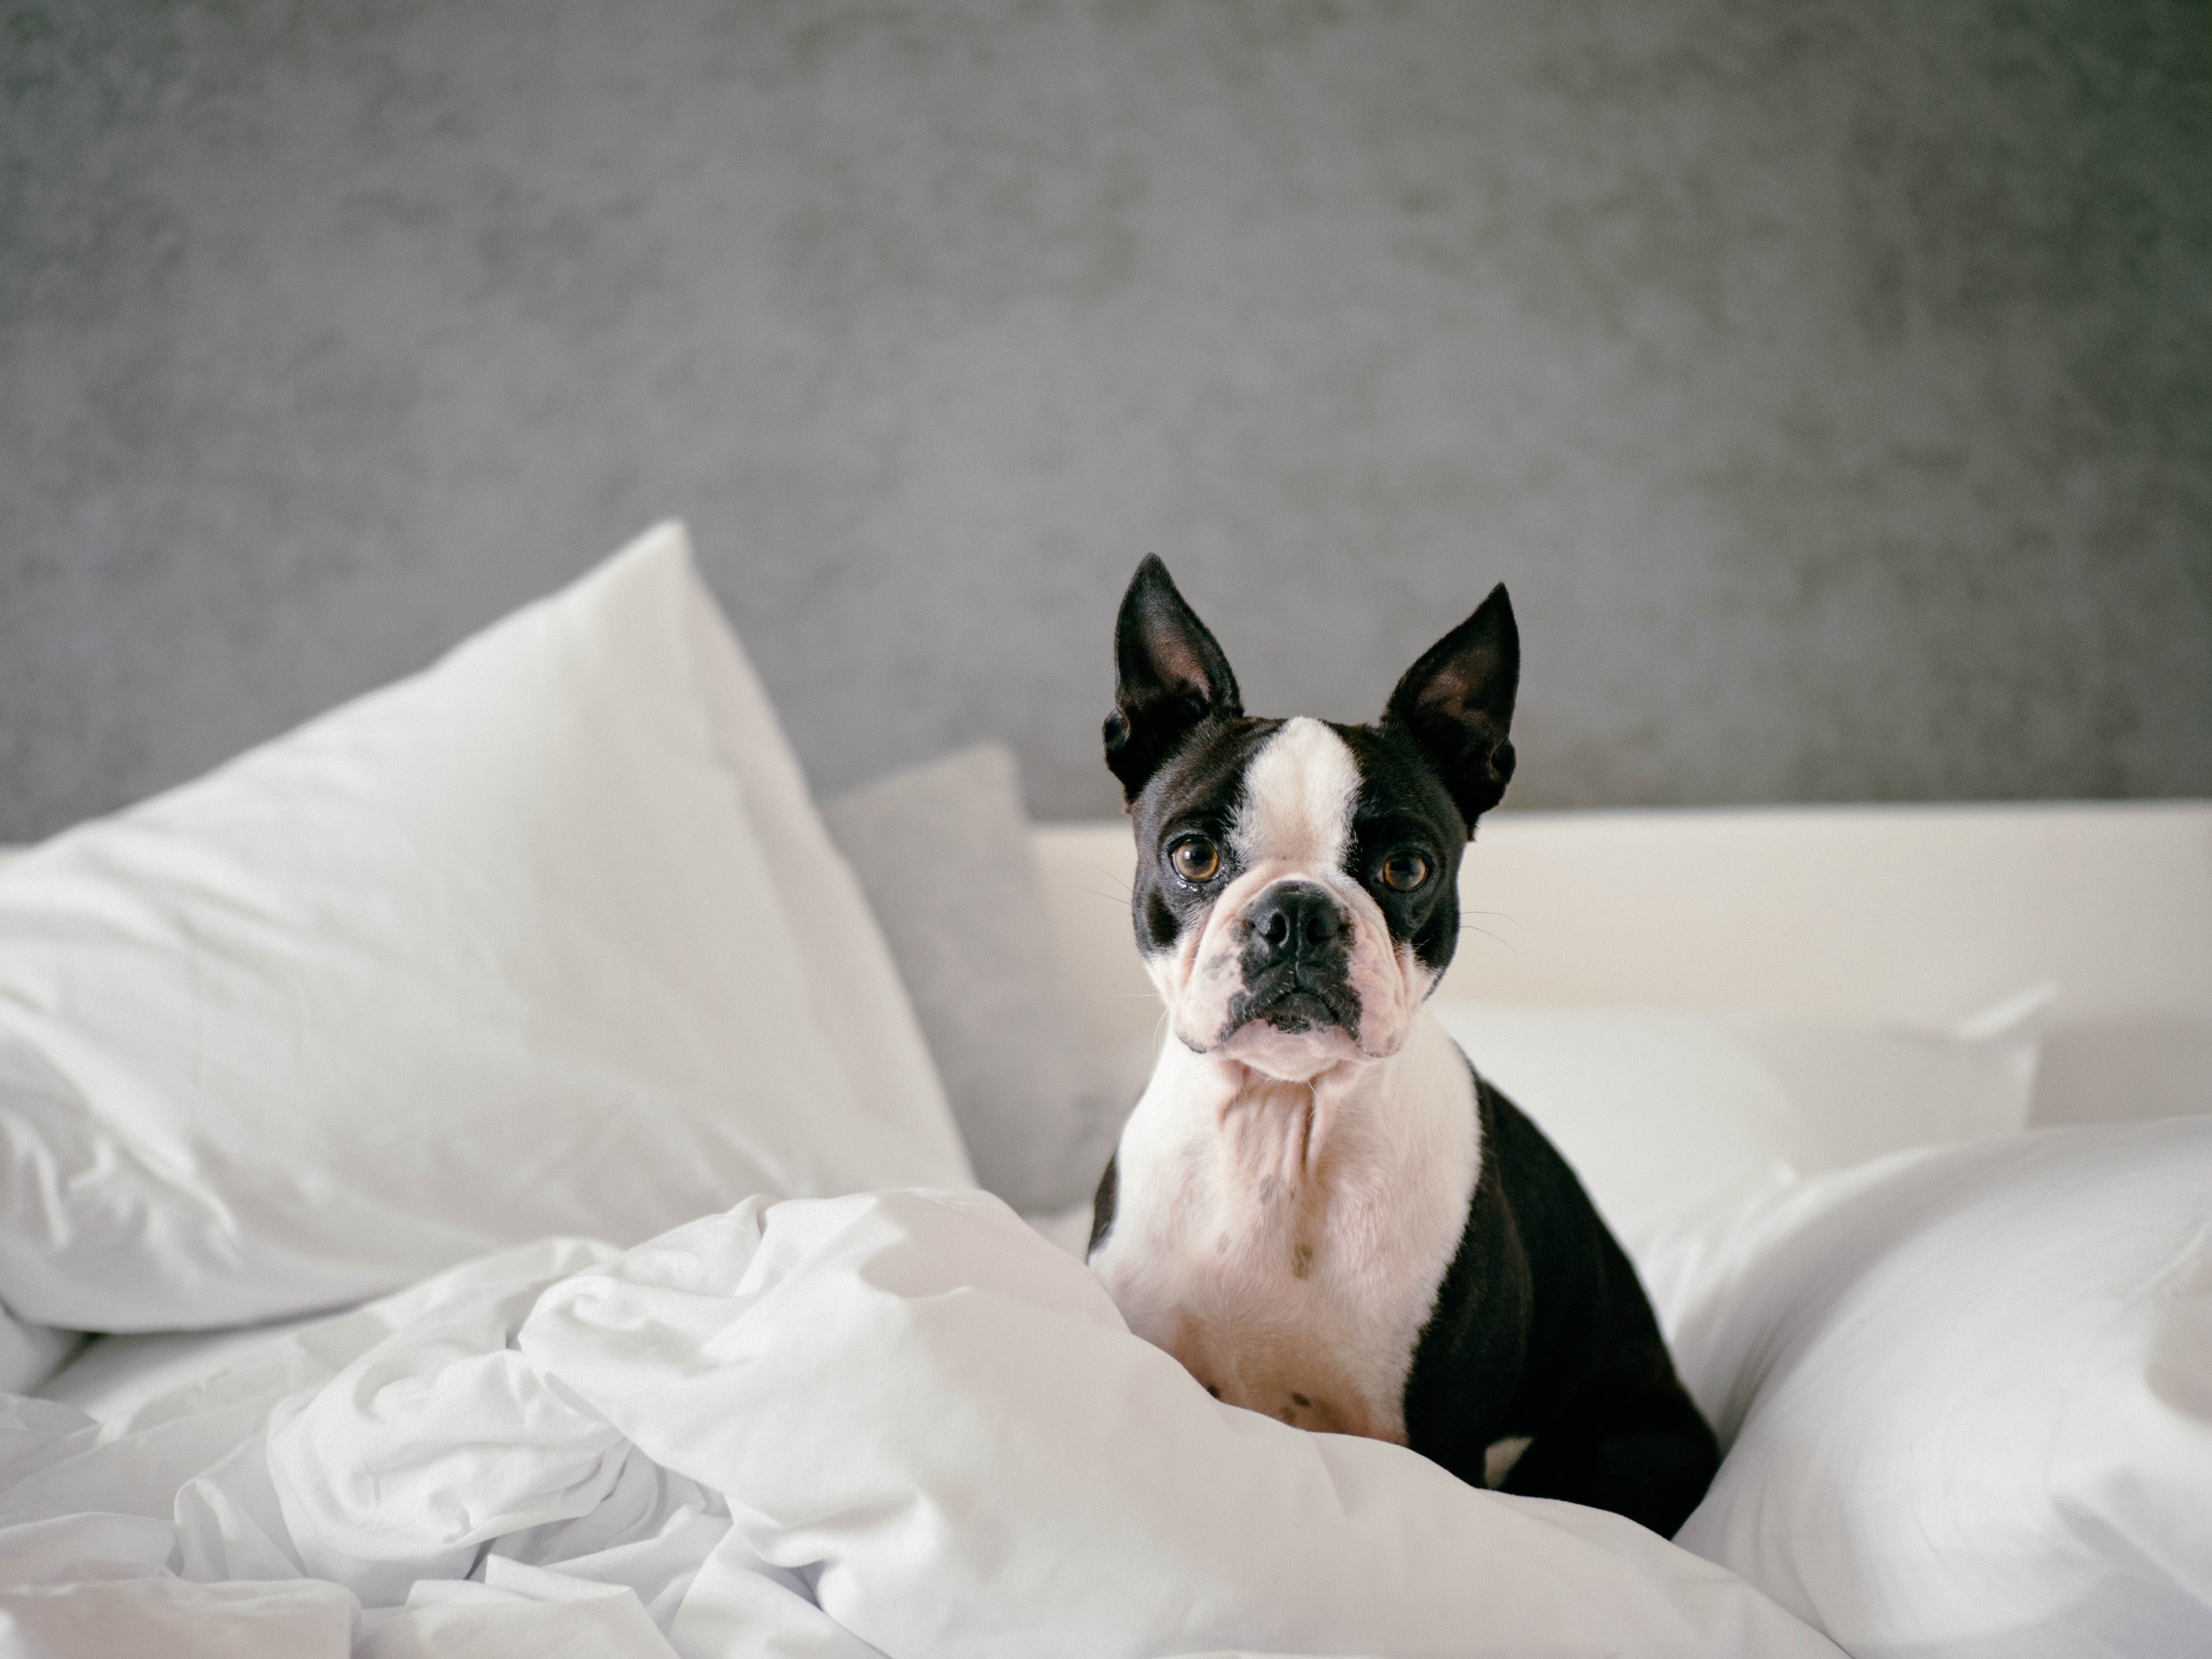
x=1318, y=1206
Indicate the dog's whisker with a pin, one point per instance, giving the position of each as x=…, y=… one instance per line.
x=1498, y=938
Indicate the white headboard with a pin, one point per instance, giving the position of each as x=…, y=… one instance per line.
x=1909, y=914
x=1917, y=915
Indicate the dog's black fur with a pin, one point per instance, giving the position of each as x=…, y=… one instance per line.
x=1540, y=1327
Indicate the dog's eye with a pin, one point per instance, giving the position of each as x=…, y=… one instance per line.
x=1195, y=859
x=1405, y=870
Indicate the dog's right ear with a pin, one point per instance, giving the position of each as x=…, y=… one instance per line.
x=1170, y=675
x=1456, y=703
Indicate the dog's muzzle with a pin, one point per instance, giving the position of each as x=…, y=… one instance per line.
x=1297, y=962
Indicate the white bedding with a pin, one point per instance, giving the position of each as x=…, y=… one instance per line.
x=1964, y=1391
x=1961, y=1389
x=899, y=1423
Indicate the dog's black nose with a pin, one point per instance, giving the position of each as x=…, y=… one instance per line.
x=1293, y=919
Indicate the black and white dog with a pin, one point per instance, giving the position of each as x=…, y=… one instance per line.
x=1317, y=1206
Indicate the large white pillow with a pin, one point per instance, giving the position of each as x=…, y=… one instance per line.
x=1967, y=1393
x=1662, y=1114
x=546, y=939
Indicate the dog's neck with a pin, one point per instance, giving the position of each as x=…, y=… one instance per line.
x=1277, y=1147
x=1291, y=1132
x=1272, y=1130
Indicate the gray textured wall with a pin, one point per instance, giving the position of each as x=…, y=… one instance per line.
x=1832, y=382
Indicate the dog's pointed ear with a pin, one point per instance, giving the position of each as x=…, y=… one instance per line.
x=1456, y=703
x=1169, y=675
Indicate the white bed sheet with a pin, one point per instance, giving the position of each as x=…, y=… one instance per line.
x=112, y=1378
x=899, y=1424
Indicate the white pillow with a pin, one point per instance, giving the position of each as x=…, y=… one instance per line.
x=1661, y=1113
x=546, y=939
x=1969, y=1394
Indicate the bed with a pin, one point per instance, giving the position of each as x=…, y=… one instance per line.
x=546, y=1195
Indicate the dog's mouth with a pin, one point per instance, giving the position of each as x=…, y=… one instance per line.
x=1290, y=1001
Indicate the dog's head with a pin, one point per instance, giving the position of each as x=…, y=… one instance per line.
x=1296, y=891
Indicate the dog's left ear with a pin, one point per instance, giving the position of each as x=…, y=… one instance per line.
x=1456, y=703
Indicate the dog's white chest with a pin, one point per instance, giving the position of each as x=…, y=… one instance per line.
x=1285, y=1242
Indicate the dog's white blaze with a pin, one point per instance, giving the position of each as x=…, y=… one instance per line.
x=1299, y=791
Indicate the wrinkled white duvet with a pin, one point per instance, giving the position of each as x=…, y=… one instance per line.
x=900, y=1424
